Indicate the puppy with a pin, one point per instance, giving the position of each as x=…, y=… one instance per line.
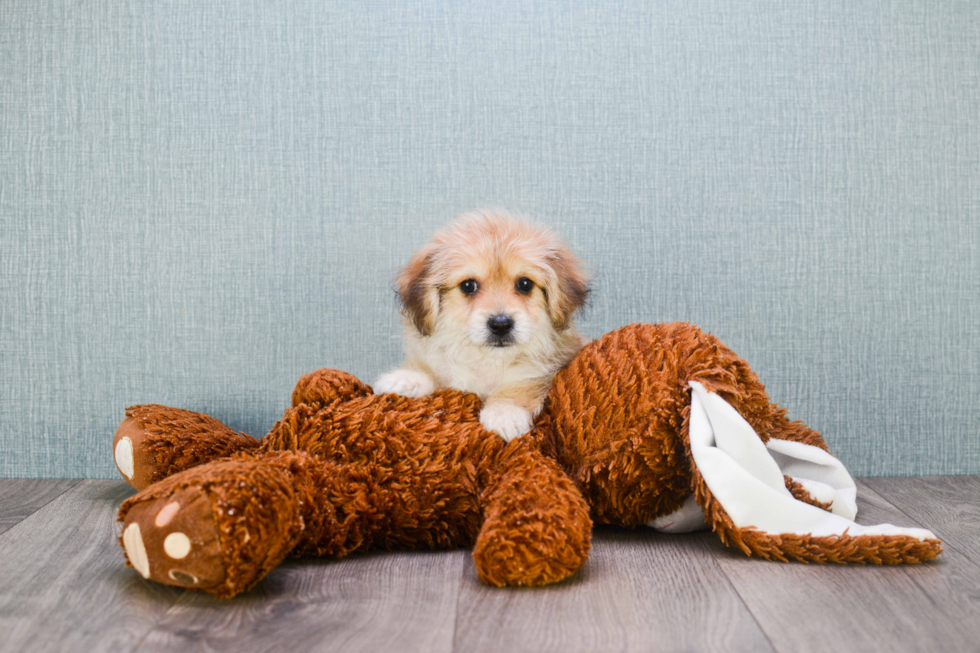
x=488, y=308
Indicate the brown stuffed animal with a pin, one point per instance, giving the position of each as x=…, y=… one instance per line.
x=346, y=470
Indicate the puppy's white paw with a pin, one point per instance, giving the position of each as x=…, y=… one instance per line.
x=407, y=383
x=506, y=420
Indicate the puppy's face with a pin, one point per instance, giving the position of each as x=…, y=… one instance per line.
x=499, y=301
x=491, y=281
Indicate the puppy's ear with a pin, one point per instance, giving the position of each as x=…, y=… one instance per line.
x=418, y=294
x=569, y=289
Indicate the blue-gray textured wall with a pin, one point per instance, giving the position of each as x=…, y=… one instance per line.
x=200, y=201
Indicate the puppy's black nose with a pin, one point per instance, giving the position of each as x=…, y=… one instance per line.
x=500, y=325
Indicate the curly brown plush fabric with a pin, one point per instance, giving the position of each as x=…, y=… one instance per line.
x=346, y=470
x=800, y=494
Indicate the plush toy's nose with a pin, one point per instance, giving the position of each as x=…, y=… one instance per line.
x=500, y=325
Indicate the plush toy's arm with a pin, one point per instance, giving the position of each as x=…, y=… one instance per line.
x=536, y=526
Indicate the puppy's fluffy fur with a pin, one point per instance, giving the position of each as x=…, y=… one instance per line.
x=488, y=308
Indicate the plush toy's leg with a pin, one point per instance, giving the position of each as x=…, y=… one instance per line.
x=155, y=441
x=537, y=528
x=220, y=527
x=742, y=490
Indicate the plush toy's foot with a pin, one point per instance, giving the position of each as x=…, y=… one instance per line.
x=130, y=454
x=154, y=442
x=174, y=540
x=219, y=527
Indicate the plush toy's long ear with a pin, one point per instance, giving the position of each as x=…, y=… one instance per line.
x=418, y=293
x=739, y=485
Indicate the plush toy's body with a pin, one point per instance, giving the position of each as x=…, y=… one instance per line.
x=346, y=470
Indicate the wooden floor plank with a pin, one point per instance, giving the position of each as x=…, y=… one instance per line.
x=378, y=602
x=803, y=608
x=65, y=588
x=64, y=585
x=640, y=591
x=947, y=505
x=20, y=497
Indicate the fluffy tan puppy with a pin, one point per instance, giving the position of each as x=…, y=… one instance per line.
x=488, y=308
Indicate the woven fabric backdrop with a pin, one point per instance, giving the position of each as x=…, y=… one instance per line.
x=201, y=201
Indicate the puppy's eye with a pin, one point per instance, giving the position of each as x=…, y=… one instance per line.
x=469, y=287
x=524, y=285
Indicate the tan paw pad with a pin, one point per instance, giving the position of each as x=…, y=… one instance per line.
x=136, y=550
x=177, y=546
x=123, y=455
x=166, y=514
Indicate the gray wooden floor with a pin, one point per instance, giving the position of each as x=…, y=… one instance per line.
x=63, y=586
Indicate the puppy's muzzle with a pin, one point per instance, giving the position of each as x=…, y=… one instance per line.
x=501, y=329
